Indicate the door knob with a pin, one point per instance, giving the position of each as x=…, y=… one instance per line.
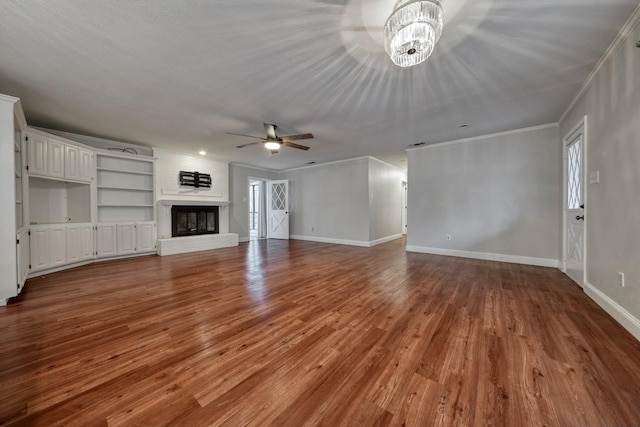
x=580, y=217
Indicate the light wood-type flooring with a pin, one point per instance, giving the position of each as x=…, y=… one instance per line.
x=292, y=333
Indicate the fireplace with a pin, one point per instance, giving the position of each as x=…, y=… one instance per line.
x=194, y=220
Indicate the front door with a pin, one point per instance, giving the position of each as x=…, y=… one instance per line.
x=575, y=247
x=279, y=209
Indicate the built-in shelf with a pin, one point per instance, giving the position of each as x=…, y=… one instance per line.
x=107, y=187
x=132, y=172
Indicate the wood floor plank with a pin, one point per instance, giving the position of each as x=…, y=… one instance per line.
x=300, y=333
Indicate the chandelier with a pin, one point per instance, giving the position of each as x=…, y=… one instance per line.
x=412, y=31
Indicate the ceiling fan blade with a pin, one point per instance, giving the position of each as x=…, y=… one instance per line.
x=271, y=130
x=248, y=144
x=297, y=137
x=293, y=145
x=241, y=134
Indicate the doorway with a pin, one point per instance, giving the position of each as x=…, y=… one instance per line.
x=575, y=195
x=257, y=209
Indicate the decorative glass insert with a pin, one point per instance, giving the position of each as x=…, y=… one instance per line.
x=278, y=197
x=574, y=169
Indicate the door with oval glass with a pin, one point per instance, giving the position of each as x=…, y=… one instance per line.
x=575, y=244
x=279, y=209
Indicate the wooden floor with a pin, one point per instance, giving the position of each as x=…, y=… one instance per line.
x=300, y=333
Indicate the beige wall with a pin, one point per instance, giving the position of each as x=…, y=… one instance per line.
x=612, y=107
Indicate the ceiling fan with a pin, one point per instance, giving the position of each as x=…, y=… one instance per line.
x=273, y=142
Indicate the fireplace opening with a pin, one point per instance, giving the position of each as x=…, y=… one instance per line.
x=194, y=220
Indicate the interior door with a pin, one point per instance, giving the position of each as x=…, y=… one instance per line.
x=278, y=209
x=575, y=247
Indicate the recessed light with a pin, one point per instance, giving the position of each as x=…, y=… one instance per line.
x=202, y=153
x=464, y=126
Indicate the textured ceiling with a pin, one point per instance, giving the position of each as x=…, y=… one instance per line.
x=179, y=74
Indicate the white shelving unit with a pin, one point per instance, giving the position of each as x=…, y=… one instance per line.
x=125, y=188
x=19, y=183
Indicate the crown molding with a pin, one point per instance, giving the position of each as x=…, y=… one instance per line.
x=488, y=136
x=613, y=48
x=246, y=166
x=328, y=163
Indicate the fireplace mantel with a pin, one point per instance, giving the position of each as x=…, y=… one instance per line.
x=192, y=202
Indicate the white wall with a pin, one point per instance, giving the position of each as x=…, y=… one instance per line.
x=495, y=195
x=385, y=200
x=8, y=276
x=330, y=201
x=239, y=189
x=168, y=167
x=612, y=107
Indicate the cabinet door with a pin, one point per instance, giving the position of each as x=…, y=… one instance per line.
x=73, y=244
x=57, y=245
x=126, y=238
x=23, y=257
x=86, y=242
x=37, y=154
x=145, y=236
x=106, y=240
x=86, y=165
x=72, y=162
x=55, y=154
x=39, y=243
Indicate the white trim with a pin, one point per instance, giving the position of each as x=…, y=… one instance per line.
x=488, y=136
x=243, y=165
x=615, y=310
x=3, y=302
x=326, y=164
x=384, y=240
x=19, y=112
x=61, y=268
x=9, y=98
x=243, y=239
x=360, y=243
x=613, y=48
x=514, y=259
x=117, y=257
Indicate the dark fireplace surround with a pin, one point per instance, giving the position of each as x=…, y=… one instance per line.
x=194, y=220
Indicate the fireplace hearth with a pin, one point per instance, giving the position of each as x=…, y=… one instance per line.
x=194, y=220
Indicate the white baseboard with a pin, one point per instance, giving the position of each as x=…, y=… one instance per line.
x=514, y=259
x=182, y=245
x=330, y=240
x=359, y=243
x=3, y=302
x=615, y=310
x=385, y=239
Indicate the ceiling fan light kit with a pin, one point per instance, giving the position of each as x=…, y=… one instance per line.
x=412, y=31
x=273, y=142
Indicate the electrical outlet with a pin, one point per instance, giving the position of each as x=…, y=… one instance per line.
x=448, y=236
x=621, y=279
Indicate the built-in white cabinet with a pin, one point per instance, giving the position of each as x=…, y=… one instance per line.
x=125, y=238
x=55, y=158
x=60, y=244
x=22, y=252
x=77, y=164
x=79, y=242
x=106, y=240
x=39, y=248
x=49, y=157
x=146, y=236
